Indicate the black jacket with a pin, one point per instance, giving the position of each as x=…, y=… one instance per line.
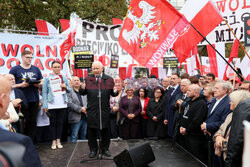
x=236, y=137
x=194, y=115
x=92, y=92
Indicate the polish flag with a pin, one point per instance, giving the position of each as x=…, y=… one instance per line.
x=204, y=16
x=245, y=67
x=45, y=28
x=193, y=63
x=234, y=54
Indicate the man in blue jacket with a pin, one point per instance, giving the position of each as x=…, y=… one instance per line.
x=30, y=157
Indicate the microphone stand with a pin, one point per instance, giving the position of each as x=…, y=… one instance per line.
x=99, y=156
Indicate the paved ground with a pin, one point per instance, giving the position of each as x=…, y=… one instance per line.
x=72, y=154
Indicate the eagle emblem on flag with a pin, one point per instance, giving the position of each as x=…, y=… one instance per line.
x=140, y=31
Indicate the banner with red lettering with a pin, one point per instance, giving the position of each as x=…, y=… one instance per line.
x=45, y=50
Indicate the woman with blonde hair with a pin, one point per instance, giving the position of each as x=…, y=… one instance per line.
x=221, y=137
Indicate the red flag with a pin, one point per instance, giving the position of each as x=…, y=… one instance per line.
x=146, y=27
x=234, y=53
x=204, y=16
x=45, y=28
x=154, y=71
x=66, y=45
x=129, y=73
x=102, y=59
x=65, y=24
x=212, y=60
x=117, y=21
x=122, y=72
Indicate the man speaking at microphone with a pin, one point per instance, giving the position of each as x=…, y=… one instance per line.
x=98, y=88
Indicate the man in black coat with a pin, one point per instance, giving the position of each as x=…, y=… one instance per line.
x=98, y=89
x=194, y=114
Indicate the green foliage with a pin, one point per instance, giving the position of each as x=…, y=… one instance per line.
x=21, y=14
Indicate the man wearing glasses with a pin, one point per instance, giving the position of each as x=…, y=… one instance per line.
x=27, y=79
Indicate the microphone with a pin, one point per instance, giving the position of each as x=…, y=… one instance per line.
x=27, y=79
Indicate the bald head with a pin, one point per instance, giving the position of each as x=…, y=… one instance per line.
x=97, y=68
x=11, y=78
x=5, y=89
x=193, y=91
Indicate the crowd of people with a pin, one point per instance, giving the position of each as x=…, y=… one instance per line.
x=190, y=110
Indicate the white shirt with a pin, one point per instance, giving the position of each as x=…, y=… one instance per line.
x=175, y=87
x=216, y=103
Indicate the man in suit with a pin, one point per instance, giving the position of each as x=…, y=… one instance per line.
x=30, y=157
x=77, y=105
x=165, y=84
x=169, y=102
x=98, y=89
x=218, y=109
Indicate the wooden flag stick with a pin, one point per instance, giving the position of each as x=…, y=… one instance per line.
x=237, y=39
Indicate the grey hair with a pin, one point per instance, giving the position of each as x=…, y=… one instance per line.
x=238, y=96
x=225, y=85
x=186, y=80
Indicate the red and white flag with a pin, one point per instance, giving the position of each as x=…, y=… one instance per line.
x=193, y=63
x=212, y=60
x=204, y=16
x=45, y=28
x=149, y=30
x=234, y=54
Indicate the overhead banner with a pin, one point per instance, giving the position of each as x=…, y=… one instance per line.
x=234, y=12
x=45, y=50
x=103, y=39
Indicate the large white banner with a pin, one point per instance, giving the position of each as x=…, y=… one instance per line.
x=233, y=11
x=45, y=50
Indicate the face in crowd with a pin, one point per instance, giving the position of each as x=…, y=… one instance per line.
x=141, y=93
x=157, y=93
x=97, y=68
x=165, y=82
x=184, y=87
x=27, y=59
x=56, y=68
x=76, y=81
x=219, y=91
x=174, y=80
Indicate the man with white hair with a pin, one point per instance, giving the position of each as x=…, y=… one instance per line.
x=218, y=109
x=98, y=89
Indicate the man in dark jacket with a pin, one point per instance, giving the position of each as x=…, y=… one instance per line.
x=194, y=114
x=236, y=137
x=98, y=89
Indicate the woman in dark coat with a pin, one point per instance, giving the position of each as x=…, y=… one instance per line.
x=155, y=112
x=130, y=108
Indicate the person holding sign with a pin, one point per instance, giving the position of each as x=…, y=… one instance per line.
x=55, y=102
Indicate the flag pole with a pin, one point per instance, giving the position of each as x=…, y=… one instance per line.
x=237, y=39
x=217, y=52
